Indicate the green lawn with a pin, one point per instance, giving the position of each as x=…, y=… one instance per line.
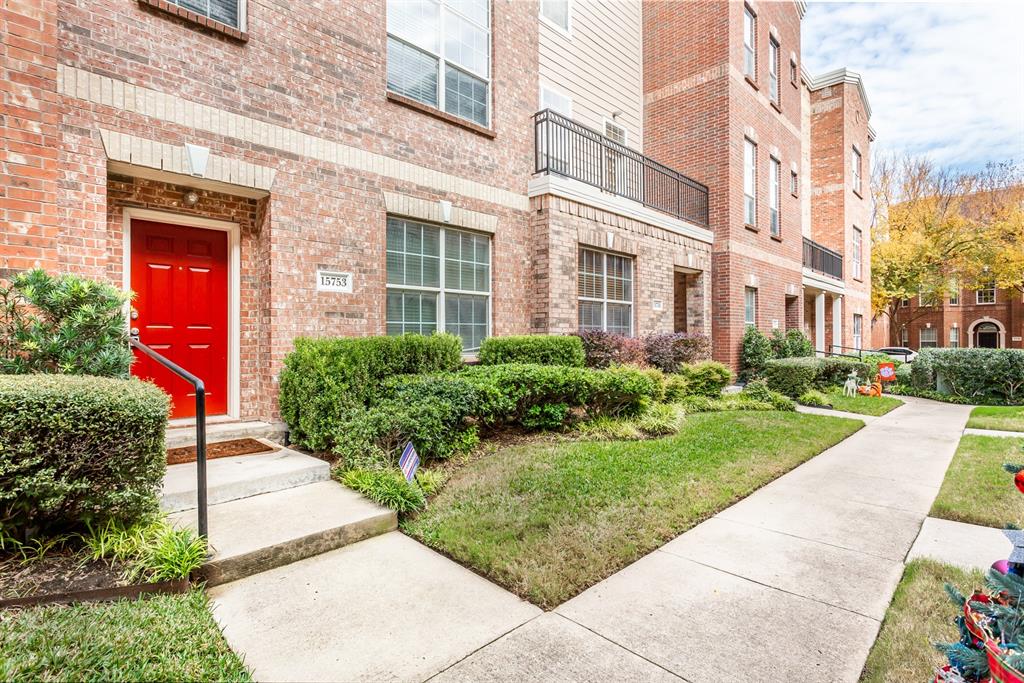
x=1006, y=418
x=171, y=637
x=920, y=614
x=548, y=520
x=863, y=405
x=977, y=489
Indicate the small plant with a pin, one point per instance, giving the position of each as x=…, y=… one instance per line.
x=707, y=378
x=815, y=398
x=386, y=487
x=606, y=428
x=798, y=345
x=430, y=481
x=756, y=351
x=676, y=387
x=152, y=549
x=660, y=419
x=546, y=416
x=758, y=390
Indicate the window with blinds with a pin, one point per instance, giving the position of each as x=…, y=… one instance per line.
x=438, y=280
x=605, y=292
x=225, y=11
x=439, y=53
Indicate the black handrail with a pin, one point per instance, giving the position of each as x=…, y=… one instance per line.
x=200, y=390
x=568, y=148
x=821, y=259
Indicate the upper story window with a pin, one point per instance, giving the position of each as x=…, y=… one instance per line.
x=750, y=306
x=987, y=294
x=856, y=171
x=228, y=12
x=555, y=101
x=904, y=303
x=858, y=243
x=439, y=53
x=605, y=292
x=556, y=12
x=749, y=182
x=773, y=71
x=954, y=294
x=775, y=170
x=749, y=42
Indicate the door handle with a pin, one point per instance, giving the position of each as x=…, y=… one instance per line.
x=135, y=313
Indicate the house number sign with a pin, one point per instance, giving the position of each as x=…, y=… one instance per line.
x=333, y=281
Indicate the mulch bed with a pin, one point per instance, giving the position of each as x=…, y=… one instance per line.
x=62, y=572
x=222, y=449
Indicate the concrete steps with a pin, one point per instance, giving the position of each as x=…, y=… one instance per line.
x=254, y=534
x=182, y=433
x=241, y=476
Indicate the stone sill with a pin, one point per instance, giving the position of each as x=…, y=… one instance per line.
x=438, y=114
x=198, y=19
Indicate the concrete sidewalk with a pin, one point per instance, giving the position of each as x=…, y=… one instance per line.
x=789, y=584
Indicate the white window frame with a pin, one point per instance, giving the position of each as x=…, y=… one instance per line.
x=241, y=4
x=977, y=295
x=441, y=290
x=750, y=166
x=773, y=70
x=774, y=197
x=749, y=48
x=954, y=294
x=857, y=161
x=932, y=343
x=858, y=331
x=857, y=255
x=616, y=124
x=905, y=303
x=567, y=29
x=905, y=336
x=442, y=60
x=543, y=104
x=750, y=306
x=954, y=337
x=604, y=300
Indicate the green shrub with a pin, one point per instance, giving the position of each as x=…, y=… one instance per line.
x=63, y=324
x=668, y=351
x=541, y=349
x=659, y=419
x=430, y=481
x=707, y=378
x=76, y=450
x=603, y=349
x=792, y=376
x=910, y=390
x=756, y=351
x=705, y=404
x=815, y=398
x=987, y=375
x=325, y=379
x=676, y=387
x=922, y=374
x=904, y=373
x=798, y=345
x=623, y=390
x=546, y=416
x=758, y=390
x=834, y=370
x=386, y=487
x=507, y=392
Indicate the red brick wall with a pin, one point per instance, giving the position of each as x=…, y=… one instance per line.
x=699, y=109
x=1007, y=312
x=28, y=135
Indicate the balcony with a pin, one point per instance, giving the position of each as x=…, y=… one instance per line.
x=822, y=260
x=567, y=148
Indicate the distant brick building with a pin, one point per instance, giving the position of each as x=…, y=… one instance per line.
x=258, y=171
x=987, y=318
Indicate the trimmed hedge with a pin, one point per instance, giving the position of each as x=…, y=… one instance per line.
x=541, y=349
x=325, y=379
x=79, y=449
x=795, y=376
x=707, y=378
x=982, y=375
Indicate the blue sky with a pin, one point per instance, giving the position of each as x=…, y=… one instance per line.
x=945, y=79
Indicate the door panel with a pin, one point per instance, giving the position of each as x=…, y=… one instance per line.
x=180, y=279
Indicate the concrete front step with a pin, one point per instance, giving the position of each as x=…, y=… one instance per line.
x=252, y=535
x=241, y=476
x=181, y=434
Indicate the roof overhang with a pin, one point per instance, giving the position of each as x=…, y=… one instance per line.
x=837, y=77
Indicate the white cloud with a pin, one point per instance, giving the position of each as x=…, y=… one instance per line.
x=944, y=79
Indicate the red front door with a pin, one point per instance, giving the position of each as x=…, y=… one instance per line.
x=180, y=279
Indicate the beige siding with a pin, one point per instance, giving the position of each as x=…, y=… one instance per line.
x=599, y=64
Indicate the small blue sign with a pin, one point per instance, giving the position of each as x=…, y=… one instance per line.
x=409, y=462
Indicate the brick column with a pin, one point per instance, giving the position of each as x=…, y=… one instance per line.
x=28, y=135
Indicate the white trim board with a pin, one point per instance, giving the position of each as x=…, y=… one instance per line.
x=234, y=283
x=591, y=196
x=818, y=281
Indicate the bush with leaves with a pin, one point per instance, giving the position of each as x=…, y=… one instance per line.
x=78, y=450
x=834, y=370
x=707, y=378
x=603, y=349
x=740, y=401
x=63, y=324
x=542, y=349
x=755, y=352
x=798, y=345
x=993, y=376
x=669, y=351
x=814, y=398
x=792, y=376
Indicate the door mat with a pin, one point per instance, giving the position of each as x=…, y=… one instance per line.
x=221, y=449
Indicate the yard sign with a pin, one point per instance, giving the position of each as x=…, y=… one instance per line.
x=409, y=462
x=887, y=371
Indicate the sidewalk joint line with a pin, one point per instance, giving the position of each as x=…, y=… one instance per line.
x=603, y=637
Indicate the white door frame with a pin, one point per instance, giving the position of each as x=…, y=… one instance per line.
x=1001, y=331
x=234, y=282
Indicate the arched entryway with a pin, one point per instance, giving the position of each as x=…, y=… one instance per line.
x=987, y=334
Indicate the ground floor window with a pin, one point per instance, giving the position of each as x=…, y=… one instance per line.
x=605, y=292
x=858, y=331
x=438, y=280
x=750, y=306
x=904, y=335
x=954, y=337
x=929, y=338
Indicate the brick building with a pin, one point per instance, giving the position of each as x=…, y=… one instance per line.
x=988, y=318
x=256, y=171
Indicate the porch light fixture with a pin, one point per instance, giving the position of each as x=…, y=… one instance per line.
x=191, y=197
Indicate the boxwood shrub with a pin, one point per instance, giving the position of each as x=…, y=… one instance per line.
x=541, y=349
x=985, y=375
x=707, y=378
x=78, y=449
x=792, y=376
x=325, y=379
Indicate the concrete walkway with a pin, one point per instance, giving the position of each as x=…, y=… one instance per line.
x=789, y=584
x=994, y=432
x=963, y=545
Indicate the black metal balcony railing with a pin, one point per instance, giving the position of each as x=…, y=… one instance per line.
x=567, y=148
x=822, y=260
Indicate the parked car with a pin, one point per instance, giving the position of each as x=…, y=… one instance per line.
x=903, y=353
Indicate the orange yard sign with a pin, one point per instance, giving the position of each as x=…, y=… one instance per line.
x=887, y=371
